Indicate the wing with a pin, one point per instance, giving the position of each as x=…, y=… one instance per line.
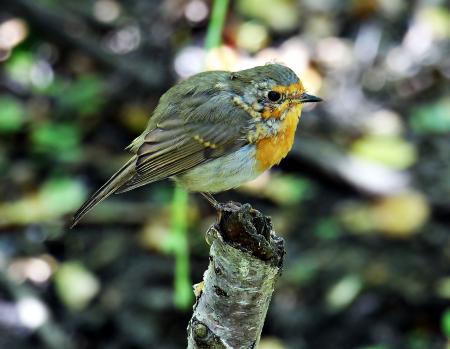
x=175, y=146
x=195, y=121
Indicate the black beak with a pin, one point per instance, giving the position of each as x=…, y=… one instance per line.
x=306, y=98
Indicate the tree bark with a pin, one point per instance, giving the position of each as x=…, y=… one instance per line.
x=246, y=258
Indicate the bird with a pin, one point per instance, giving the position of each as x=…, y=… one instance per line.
x=213, y=132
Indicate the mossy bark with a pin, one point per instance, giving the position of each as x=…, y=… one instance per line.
x=245, y=261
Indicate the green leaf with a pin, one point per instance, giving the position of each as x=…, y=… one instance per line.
x=393, y=152
x=432, y=118
x=75, y=285
x=62, y=195
x=62, y=139
x=280, y=15
x=445, y=322
x=19, y=66
x=344, y=292
x=83, y=96
x=12, y=115
x=286, y=189
x=302, y=270
x=327, y=228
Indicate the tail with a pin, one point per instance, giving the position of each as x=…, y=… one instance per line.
x=112, y=185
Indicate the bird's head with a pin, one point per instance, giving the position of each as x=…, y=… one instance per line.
x=271, y=89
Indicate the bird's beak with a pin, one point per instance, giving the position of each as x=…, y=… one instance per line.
x=306, y=98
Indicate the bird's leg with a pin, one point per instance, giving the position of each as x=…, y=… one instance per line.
x=214, y=203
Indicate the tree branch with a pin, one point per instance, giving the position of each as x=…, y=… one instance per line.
x=245, y=261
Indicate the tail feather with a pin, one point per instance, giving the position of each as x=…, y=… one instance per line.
x=112, y=185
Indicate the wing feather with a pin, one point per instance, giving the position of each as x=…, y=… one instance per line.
x=167, y=153
x=187, y=131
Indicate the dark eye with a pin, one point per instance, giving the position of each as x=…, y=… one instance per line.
x=274, y=96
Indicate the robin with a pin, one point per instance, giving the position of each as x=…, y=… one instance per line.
x=214, y=131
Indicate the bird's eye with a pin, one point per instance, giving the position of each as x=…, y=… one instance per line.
x=274, y=96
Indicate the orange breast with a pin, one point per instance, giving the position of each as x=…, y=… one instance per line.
x=270, y=151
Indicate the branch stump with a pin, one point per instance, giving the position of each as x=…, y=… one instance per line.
x=246, y=258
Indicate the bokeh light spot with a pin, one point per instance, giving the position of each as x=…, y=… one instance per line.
x=12, y=33
x=106, y=10
x=196, y=11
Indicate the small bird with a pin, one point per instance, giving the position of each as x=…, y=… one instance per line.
x=214, y=131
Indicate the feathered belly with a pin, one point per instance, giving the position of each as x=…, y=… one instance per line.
x=223, y=173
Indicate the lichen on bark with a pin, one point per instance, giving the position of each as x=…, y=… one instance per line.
x=246, y=259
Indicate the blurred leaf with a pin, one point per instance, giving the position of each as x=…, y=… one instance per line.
x=252, y=36
x=62, y=195
x=12, y=114
x=443, y=287
x=401, y=215
x=432, y=118
x=419, y=339
x=281, y=188
x=56, y=198
x=3, y=160
x=327, y=228
x=271, y=343
x=19, y=66
x=135, y=117
x=156, y=236
x=83, y=96
x=445, y=322
x=280, y=15
x=344, y=292
x=75, y=285
x=285, y=189
x=302, y=270
x=393, y=152
x=356, y=217
x=437, y=18
x=62, y=139
x=397, y=215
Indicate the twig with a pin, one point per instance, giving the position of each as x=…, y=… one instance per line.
x=215, y=27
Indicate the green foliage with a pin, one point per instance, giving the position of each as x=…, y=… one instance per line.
x=59, y=139
x=75, y=285
x=327, y=229
x=19, y=66
x=445, y=322
x=280, y=15
x=419, y=339
x=288, y=189
x=62, y=195
x=12, y=114
x=344, y=292
x=302, y=270
x=390, y=151
x=83, y=96
x=432, y=118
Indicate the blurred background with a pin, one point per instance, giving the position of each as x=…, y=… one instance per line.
x=362, y=201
